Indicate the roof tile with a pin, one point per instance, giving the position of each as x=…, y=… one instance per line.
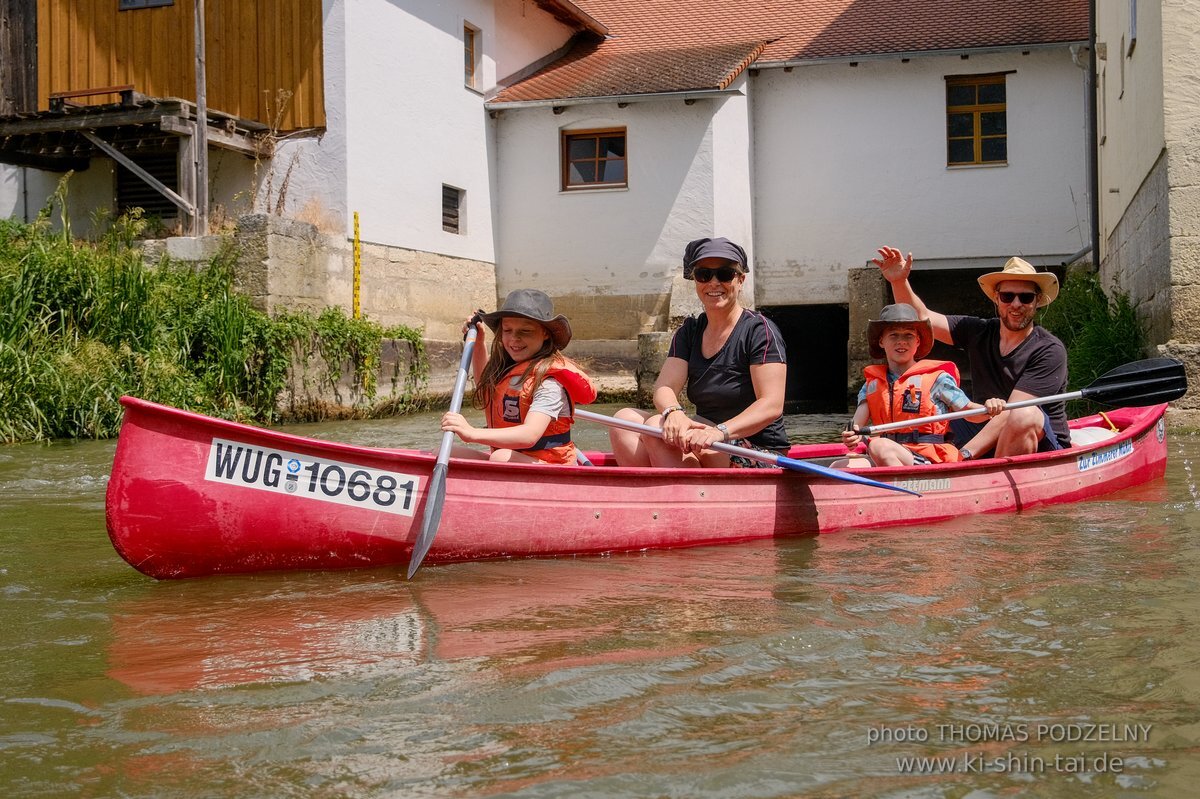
x=667, y=45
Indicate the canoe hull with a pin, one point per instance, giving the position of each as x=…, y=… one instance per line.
x=192, y=496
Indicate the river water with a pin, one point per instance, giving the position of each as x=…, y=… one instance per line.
x=1054, y=652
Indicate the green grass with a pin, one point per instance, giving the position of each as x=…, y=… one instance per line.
x=82, y=324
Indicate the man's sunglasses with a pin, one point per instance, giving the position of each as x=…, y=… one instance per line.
x=1006, y=297
x=725, y=274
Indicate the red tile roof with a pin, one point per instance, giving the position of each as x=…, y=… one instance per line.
x=688, y=45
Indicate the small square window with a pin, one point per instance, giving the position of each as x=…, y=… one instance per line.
x=594, y=159
x=976, y=120
x=452, y=209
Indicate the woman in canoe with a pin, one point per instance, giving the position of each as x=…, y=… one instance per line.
x=732, y=363
x=526, y=387
x=906, y=386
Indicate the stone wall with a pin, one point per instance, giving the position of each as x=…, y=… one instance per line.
x=867, y=293
x=1138, y=258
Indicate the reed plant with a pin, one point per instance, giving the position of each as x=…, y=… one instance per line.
x=83, y=323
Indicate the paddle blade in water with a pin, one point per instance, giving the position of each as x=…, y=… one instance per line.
x=436, y=494
x=1139, y=384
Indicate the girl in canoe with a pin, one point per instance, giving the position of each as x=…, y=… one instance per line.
x=905, y=386
x=526, y=387
x=732, y=362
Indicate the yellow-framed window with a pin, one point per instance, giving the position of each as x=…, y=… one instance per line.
x=976, y=120
x=594, y=159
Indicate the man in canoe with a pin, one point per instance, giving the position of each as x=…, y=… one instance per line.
x=905, y=386
x=1011, y=357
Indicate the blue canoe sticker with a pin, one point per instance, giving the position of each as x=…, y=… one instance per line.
x=1103, y=457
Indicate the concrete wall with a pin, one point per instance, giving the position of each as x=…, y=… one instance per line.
x=288, y=264
x=848, y=158
x=1133, y=173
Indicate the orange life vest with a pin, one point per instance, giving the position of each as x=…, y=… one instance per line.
x=910, y=398
x=514, y=395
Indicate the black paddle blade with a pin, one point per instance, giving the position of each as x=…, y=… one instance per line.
x=1139, y=384
x=436, y=494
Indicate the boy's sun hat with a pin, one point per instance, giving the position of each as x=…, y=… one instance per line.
x=535, y=305
x=899, y=315
x=1020, y=269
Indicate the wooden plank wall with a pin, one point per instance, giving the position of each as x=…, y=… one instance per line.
x=262, y=55
x=18, y=57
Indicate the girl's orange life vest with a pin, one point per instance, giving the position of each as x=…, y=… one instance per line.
x=910, y=398
x=514, y=395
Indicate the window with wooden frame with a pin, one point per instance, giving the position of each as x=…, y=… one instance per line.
x=452, y=209
x=976, y=120
x=130, y=5
x=471, y=41
x=594, y=159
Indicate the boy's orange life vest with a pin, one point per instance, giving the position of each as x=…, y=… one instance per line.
x=910, y=398
x=514, y=395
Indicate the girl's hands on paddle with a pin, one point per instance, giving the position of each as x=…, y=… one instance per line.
x=457, y=424
x=475, y=319
x=894, y=264
x=995, y=406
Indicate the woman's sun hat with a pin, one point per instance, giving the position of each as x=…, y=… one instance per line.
x=899, y=315
x=699, y=249
x=1020, y=269
x=535, y=305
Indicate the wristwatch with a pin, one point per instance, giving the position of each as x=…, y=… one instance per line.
x=724, y=431
x=965, y=454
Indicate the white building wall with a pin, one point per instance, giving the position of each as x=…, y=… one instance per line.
x=851, y=158
x=1130, y=124
x=606, y=241
x=401, y=122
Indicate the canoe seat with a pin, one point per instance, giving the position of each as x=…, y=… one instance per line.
x=1082, y=436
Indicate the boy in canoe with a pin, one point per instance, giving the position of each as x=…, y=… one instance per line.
x=526, y=387
x=905, y=386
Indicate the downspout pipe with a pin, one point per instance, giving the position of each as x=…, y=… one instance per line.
x=1093, y=135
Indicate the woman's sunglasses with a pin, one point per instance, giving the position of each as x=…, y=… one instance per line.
x=725, y=274
x=1006, y=297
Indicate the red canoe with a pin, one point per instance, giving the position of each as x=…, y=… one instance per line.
x=191, y=495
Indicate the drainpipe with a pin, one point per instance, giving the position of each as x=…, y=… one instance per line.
x=1093, y=135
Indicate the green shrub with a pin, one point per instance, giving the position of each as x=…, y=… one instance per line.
x=1100, y=332
x=82, y=324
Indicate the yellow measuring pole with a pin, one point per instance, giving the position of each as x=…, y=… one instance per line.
x=357, y=265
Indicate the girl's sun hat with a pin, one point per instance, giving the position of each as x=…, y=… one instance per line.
x=535, y=305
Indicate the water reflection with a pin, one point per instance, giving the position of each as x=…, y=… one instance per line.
x=234, y=631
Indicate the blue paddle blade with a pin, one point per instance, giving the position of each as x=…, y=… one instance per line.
x=837, y=474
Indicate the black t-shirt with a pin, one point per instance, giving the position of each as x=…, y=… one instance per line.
x=721, y=386
x=1038, y=366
